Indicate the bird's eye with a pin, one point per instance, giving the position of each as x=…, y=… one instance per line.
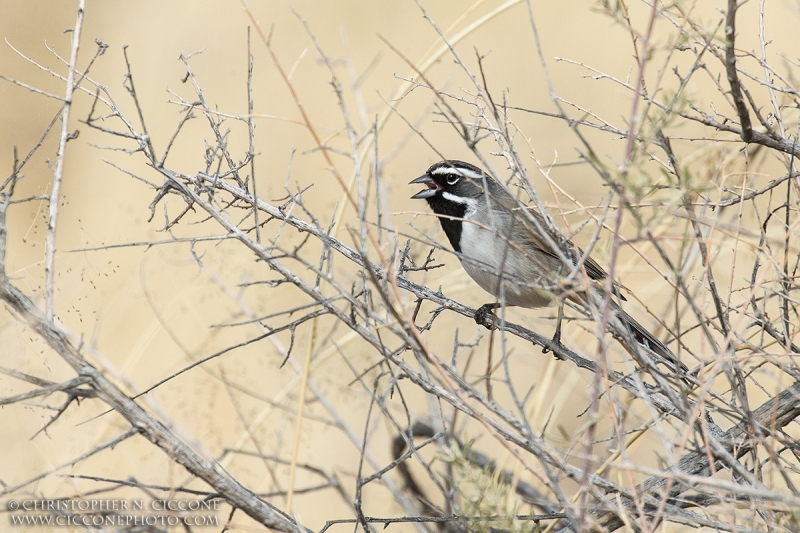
x=452, y=180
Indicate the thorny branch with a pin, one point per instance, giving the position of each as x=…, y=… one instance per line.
x=739, y=337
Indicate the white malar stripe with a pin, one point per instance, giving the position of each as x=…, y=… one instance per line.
x=456, y=171
x=471, y=203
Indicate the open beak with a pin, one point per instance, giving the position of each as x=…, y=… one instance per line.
x=425, y=193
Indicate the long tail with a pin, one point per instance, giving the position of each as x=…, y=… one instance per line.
x=630, y=328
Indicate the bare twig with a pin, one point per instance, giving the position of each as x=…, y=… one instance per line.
x=58, y=172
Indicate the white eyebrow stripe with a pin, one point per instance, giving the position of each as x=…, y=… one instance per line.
x=456, y=171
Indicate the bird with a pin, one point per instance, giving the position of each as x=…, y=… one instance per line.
x=511, y=252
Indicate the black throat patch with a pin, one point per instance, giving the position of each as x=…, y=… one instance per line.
x=449, y=211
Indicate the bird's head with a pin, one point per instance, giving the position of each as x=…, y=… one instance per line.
x=453, y=181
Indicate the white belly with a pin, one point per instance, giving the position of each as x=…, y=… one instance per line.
x=501, y=269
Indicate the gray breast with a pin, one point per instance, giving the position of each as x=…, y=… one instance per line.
x=500, y=267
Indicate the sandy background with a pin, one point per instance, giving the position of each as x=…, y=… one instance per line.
x=147, y=312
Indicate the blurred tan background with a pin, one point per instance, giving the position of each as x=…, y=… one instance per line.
x=148, y=312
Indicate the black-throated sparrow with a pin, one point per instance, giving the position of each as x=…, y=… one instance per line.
x=512, y=253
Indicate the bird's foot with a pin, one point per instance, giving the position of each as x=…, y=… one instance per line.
x=556, y=340
x=485, y=316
